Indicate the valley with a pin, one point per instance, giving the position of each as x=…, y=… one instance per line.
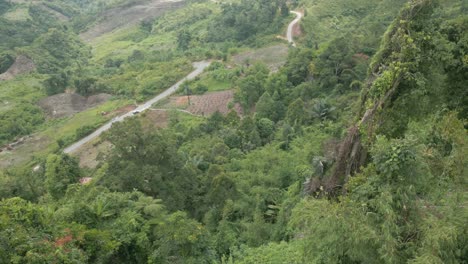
x=233, y=131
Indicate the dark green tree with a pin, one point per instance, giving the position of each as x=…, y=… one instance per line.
x=266, y=129
x=284, y=9
x=265, y=107
x=252, y=86
x=56, y=83
x=60, y=171
x=183, y=39
x=86, y=86
x=296, y=112
x=6, y=60
x=297, y=65
x=148, y=162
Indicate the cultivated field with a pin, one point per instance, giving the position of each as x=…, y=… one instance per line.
x=206, y=104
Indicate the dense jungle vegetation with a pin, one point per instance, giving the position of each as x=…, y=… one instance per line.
x=354, y=151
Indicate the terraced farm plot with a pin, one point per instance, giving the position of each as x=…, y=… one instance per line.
x=206, y=104
x=274, y=56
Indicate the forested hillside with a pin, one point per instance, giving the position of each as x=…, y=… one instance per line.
x=351, y=150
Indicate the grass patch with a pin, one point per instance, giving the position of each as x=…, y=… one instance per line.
x=21, y=89
x=91, y=117
x=183, y=121
x=121, y=43
x=272, y=56
x=45, y=142
x=215, y=85
x=20, y=14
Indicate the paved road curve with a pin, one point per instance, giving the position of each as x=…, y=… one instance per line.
x=289, y=34
x=199, y=67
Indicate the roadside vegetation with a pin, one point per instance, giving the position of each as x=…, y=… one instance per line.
x=352, y=151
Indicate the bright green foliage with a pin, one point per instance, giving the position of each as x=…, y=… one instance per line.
x=386, y=215
x=278, y=86
x=266, y=128
x=86, y=86
x=256, y=188
x=322, y=110
x=296, y=114
x=183, y=40
x=6, y=60
x=240, y=21
x=56, y=83
x=107, y=227
x=60, y=171
x=252, y=86
x=57, y=50
x=25, y=233
x=19, y=122
x=365, y=20
x=281, y=253
x=297, y=67
x=265, y=107
x=179, y=240
x=456, y=32
x=147, y=162
x=340, y=64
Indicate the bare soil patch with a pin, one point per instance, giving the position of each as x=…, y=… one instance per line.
x=129, y=15
x=66, y=104
x=22, y=65
x=207, y=104
x=274, y=56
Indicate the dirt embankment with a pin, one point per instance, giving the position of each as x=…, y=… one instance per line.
x=129, y=15
x=22, y=65
x=66, y=104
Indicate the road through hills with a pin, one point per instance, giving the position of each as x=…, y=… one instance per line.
x=199, y=67
x=289, y=34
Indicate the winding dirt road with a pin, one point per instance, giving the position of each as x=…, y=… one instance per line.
x=289, y=34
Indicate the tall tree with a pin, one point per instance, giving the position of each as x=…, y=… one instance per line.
x=60, y=171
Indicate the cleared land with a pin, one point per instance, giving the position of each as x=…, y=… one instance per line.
x=200, y=105
x=67, y=104
x=45, y=141
x=274, y=56
x=22, y=65
x=206, y=104
x=128, y=16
